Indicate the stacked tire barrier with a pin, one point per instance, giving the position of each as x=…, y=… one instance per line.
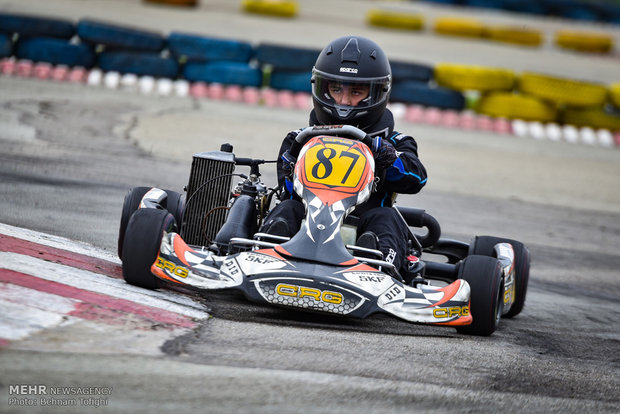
x=107, y=55
x=580, y=41
x=583, y=10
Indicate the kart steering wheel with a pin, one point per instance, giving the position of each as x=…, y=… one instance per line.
x=334, y=130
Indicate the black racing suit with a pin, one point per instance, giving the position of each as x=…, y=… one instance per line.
x=406, y=175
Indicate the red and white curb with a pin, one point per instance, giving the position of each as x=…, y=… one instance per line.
x=48, y=281
x=148, y=85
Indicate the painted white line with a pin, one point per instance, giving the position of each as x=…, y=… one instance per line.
x=36, y=299
x=19, y=320
x=98, y=283
x=57, y=242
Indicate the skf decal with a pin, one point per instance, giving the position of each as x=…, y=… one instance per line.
x=179, y=271
x=316, y=294
x=260, y=258
x=451, y=312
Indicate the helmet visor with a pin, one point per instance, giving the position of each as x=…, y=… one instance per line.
x=347, y=92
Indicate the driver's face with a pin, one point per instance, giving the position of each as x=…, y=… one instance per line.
x=348, y=94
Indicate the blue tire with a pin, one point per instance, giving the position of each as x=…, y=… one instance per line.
x=291, y=80
x=6, y=46
x=229, y=73
x=446, y=1
x=421, y=94
x=405, y=71
x=285, y=57
x=487, y=4
x=607, y=12
x=140, y=63
x=523, y=6
x=28, y=26
x=571, y=9
x=202, y=49
x=122, y=37
x=55, y=51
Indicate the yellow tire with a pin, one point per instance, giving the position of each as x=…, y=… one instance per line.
x=584, y=41
x=594, y=118
x=473, y=77
x=515, y=35
x=280, y=8
x=457, y=26
x=563, y=91
x=395, y=20
x=614, y=94
x=516, y=106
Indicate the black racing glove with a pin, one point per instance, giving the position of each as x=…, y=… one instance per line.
x=384, y=153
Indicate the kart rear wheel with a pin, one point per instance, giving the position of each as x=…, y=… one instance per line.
x=483, y=245
x=175, y=204
x=484, y=275
x=141, y=246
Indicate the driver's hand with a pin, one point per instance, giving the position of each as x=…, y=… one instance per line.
x=288, y=164
x=384, y=153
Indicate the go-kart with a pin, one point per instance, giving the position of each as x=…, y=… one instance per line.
x=207, y=238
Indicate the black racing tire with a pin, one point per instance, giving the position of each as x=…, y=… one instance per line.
x=130, y=205
x=139, y=63
x=141, y=246
x=483, y=245
x=122, y=37
x=175, y=204
x=484, y=275
x=55, y=51
x=196, y=48
x=228, y=73
x=27, y=26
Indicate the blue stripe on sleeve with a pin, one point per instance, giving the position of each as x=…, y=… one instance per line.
x=397, y=171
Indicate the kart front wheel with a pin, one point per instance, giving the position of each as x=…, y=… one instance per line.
x=141, y=245
x=175, y=204
x=483, y=245
x=484, y=275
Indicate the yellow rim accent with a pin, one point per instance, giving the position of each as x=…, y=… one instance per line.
x=584, y=41
x=395, y=20
x=563, y=91
x=515, y=106
x=516, y=35
x=280, y=8
x=473, y=77
x=614, y=94
x=594, y=118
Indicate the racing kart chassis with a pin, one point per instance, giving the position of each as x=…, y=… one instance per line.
x=208, y=239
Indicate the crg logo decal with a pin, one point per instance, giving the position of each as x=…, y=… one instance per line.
x=302, y=292
x=179, y=271
x=451, y=312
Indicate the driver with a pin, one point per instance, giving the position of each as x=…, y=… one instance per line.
x=351, y=82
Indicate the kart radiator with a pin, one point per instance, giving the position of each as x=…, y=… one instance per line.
x=208, y=192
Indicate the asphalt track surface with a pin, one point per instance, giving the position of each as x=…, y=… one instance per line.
x=70, y=152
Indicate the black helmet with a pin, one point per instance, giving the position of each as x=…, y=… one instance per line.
x=351, y=61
